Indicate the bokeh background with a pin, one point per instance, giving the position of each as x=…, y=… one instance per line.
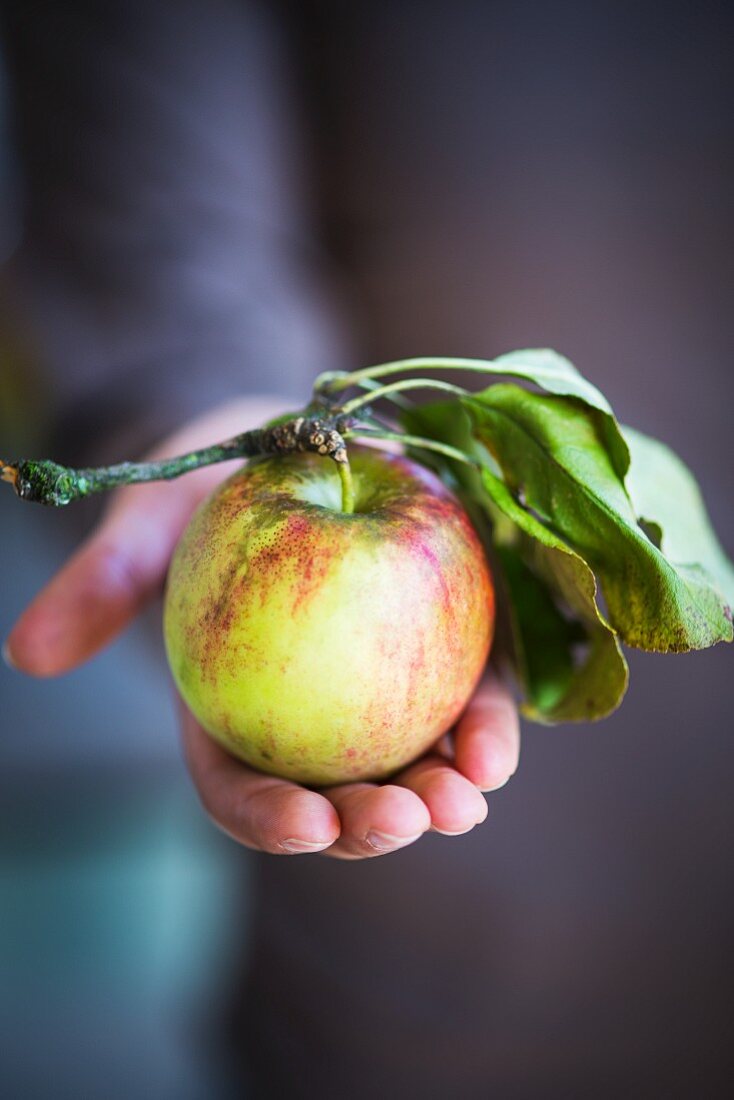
x=205, y=199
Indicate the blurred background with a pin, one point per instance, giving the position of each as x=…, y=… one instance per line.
x=201, y=200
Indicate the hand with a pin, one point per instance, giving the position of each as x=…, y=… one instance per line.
x=122, y=567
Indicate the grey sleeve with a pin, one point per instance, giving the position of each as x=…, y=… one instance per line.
x=167, y=258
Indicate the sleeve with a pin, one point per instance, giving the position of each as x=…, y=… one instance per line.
x=167, y=256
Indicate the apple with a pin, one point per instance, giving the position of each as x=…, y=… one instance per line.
x=323, y=646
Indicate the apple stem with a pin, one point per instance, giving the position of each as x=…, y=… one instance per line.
x=345, y=474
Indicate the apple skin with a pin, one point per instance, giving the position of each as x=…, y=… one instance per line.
x=320, y=646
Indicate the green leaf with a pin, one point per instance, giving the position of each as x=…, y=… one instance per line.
x=551, y=589
x=556, y=374
x=554, y=458
x=543, y=638
x=666, y=497
x=599, y=681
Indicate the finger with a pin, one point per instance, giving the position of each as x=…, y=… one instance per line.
x=259, y=811
x=97, y=593
x=376, y=820
x=454, y=803
x=487, y=737
x=121, y=567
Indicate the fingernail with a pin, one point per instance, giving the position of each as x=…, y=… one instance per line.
x=384, y=842
x=455, y=832
x=496, y=787
x=295, y=845
x=8, y=657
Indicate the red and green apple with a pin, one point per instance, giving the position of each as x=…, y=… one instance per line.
x=324, y=646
